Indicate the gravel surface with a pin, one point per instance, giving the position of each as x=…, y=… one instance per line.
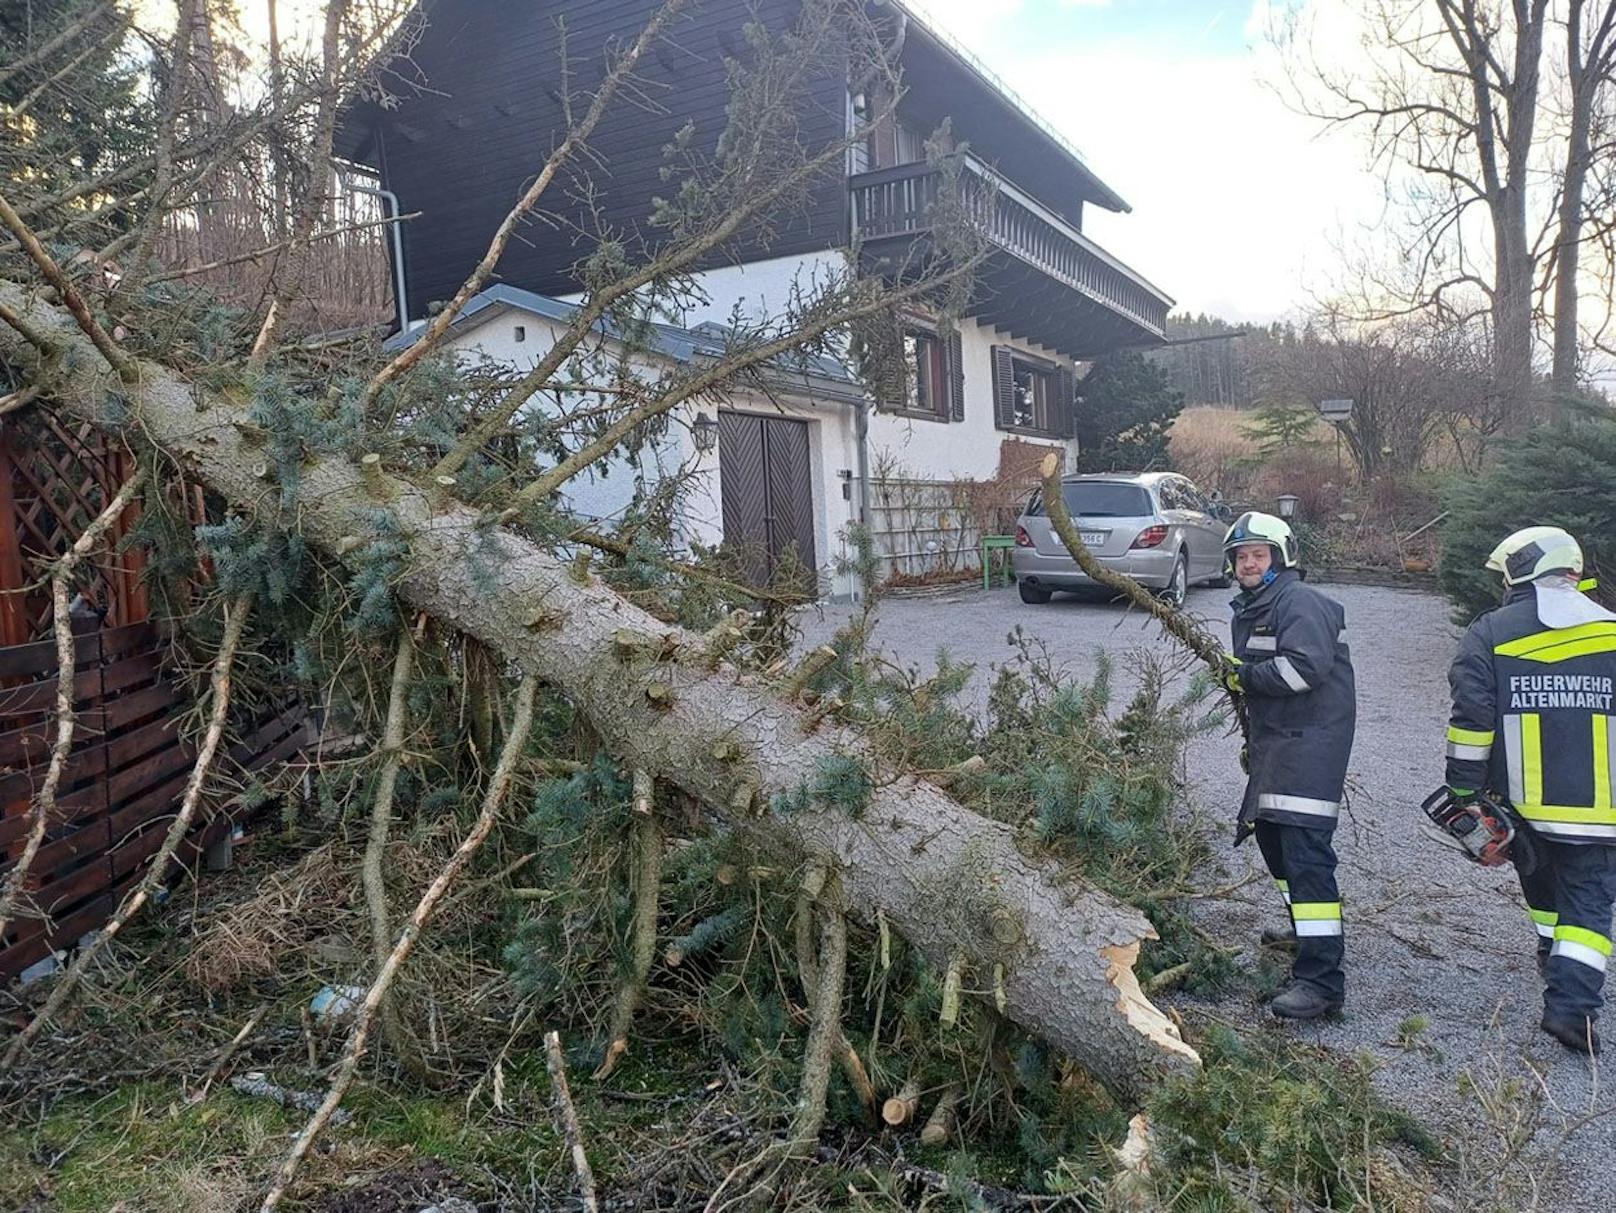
x=1428, y=934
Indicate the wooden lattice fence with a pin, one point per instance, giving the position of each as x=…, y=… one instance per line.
x=131, y=754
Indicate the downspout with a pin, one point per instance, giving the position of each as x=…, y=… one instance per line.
x=861, y=435
x=396, y=234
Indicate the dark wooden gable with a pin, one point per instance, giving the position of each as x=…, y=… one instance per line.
x=462, y=150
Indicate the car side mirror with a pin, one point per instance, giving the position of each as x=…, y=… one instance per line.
x=1221, y=512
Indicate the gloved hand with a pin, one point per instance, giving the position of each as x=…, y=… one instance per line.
x=1245, y=758
x=1462, y=795
x=1230, y=676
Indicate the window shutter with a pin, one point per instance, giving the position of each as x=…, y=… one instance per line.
x=1004, y=388
x=1066, y=385
x=956, y=379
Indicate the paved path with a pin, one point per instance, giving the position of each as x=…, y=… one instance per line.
x=1427, y=934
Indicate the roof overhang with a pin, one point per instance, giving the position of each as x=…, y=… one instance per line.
x=815, y=379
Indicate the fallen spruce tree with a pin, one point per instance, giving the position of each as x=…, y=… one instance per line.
x=955, y=884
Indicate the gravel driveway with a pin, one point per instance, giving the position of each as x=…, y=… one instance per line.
x=1427, y=934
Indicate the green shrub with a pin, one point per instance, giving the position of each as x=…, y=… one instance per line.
x=1556, y=475
x=1126, y=405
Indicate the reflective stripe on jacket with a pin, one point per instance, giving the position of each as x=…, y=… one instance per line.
x=1301, y=698
x=1534, y=695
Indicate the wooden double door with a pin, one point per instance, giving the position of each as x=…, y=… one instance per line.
x=768, y=497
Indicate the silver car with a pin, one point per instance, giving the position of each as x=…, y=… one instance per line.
x=1156, y=527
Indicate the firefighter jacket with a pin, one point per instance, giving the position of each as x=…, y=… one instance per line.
x=1301, y=700
x=1532, y=710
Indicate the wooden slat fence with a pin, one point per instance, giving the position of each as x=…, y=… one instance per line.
x=128, y=764
x=130, y=756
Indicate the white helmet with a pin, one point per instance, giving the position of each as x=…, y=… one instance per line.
x=1536, y=552
x=1253, y=527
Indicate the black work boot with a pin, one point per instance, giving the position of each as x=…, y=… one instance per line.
x=1575, y=1032
x=1303, y=1001
x=1283, y=938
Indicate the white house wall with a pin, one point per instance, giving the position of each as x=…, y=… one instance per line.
x=760, y=289
x=607, y=496
x=954, y=450
x=925, y=450
x=602, y=492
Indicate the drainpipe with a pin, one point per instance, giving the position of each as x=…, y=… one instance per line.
x=861, y=434
x=401, y=294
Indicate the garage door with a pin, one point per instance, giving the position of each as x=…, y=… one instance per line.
x=768, y=495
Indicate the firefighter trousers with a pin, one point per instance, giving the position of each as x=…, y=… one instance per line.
x=1302, y=861
x=1570, y=897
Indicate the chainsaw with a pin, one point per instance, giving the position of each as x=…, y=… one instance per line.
x=1481, y=827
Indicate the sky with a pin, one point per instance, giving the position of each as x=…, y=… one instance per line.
x=1241, y=206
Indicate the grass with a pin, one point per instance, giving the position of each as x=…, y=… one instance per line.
x=144, y=1145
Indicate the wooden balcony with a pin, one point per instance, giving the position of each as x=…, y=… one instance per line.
x=1044, y=279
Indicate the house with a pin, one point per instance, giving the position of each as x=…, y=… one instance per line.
x=786, y=429
x=1048, y=300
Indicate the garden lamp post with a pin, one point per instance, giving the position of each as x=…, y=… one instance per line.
x=1286, y=503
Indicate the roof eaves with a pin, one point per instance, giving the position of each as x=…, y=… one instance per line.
x=678, y=344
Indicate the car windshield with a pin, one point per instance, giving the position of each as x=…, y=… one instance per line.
x=1100, y=499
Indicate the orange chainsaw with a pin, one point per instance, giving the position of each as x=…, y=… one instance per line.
x=1485, y=830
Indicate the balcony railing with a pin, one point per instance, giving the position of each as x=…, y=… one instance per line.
x=898, y=201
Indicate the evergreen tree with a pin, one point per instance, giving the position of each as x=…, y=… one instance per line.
x=74, y=111
x=1557, y=475
x=1125, y=407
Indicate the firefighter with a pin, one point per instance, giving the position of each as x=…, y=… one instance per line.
x=1533, y=724
x=1295, y=672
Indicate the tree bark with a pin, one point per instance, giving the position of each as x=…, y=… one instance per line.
x=1589, y=66
x=949, y=880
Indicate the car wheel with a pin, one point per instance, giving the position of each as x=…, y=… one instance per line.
x=1178, y=587
x=1031, y=594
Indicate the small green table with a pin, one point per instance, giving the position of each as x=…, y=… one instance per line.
x=989, y=542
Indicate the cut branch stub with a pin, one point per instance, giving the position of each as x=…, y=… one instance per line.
x=370, y=471
x=718, y=643
x=940, y=1124
x=901, y=1107
x=810, y=668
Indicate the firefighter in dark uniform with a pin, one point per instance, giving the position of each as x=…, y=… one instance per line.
x=1295, y=672
x=1534, y=722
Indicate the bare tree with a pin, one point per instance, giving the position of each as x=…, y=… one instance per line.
x=1411, y=380
x=1459, y=112
x=1590, y=78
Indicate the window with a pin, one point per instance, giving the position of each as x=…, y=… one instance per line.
x=893, y=142
x=1035, y=398
x=926, y=374
x=1031, y=395
x=911, y=144
x=1100, y=499
x=933, y=386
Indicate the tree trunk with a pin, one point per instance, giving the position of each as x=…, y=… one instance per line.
x=1590, y=62
x=1568, y=250
x=949, y=880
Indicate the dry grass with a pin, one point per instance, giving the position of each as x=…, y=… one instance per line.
x=1209, y=446
x=249, y=938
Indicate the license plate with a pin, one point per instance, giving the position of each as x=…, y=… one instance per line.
x=1092, y=539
